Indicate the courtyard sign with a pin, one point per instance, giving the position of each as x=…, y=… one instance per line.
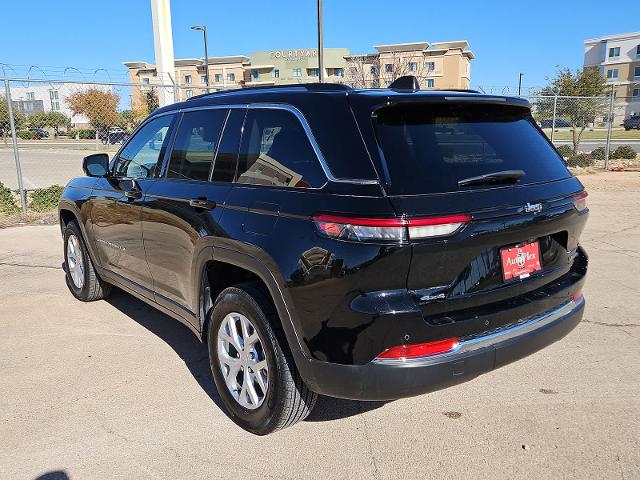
x=294, y=54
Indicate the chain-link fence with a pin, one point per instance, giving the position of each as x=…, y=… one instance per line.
x=590, y=130
x=48, y=126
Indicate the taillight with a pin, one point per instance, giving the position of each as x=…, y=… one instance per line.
x=580, y=201
x=403, y=352
x=388, y=229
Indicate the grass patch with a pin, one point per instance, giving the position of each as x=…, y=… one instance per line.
x=595, y=134
x=7, y=202
x=44, y=199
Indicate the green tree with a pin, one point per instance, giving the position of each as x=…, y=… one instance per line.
x=127, y=119
x=18, y=119
x=58, y=120
x=98, y=105
x=151, y=100
x=580, y=112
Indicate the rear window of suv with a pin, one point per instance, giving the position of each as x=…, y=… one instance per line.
x=429, y=147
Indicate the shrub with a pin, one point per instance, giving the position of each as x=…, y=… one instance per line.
x=25, y=135
x=565, y=150
x=581, y=160
x=87, y=134
x=598, y=153
x=7, y=202
x=624, y=151
x=43, y=199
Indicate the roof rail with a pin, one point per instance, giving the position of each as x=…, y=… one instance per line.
x=322, y=87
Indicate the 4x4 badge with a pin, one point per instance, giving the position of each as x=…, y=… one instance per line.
x=533, y=207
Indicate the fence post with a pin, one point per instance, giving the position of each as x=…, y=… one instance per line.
x=16, y=153
x=553, y=120
x=607, y=149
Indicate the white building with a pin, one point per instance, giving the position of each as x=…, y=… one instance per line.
x=47, y=97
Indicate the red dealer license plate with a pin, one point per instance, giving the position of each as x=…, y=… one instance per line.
x=521, y=261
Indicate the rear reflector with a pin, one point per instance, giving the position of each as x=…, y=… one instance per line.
x=580, y=201
x=388, y=229
x=402, y=352
x=576, y=296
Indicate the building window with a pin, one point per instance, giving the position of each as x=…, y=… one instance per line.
x=31, y=96
x=189, y=93
x=413, y=67
x=297, y=72
x=636, y=92
x=430, y=66
x=612, y=73
x=636, y=72
x=388, y=67
x=218, y=77
x=614, y=52
x=187, y=79
x=203, y=79
x=430, y=83
x=275, y=73
x=338, y=72
x=638, y=51
x=145, y=81
x=314, y=72
x=375, y=84
x=374, y=70
x=231, y=77
x=54, y=97
x=255, y=74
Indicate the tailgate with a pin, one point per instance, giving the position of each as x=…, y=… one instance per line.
x=466, y=269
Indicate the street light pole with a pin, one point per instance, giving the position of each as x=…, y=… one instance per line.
x=320, y=44
x=520, y=83
x=206, y=53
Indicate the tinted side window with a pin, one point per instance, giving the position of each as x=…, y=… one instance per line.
x=275, y=150
x=224, y=169
x=139, y=158
x=195, y=144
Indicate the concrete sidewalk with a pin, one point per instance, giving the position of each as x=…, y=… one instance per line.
x=114, y=389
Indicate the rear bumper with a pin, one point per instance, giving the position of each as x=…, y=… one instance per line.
x=392, y=379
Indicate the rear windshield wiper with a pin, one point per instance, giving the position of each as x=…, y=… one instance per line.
x=504, y=176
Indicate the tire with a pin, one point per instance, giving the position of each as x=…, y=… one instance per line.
x=287, y=399
x=83, y=283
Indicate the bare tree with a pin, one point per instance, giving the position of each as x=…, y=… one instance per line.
x=374, y=71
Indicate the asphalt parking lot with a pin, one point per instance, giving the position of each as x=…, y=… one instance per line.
x=114, y=389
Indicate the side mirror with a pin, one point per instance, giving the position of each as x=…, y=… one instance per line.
x=96, y=165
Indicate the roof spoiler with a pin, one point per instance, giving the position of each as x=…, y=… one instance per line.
x=407, y=82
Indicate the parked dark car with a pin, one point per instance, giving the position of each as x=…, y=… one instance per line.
x=632, y=122
x=559, y=123
x=114, y=135
x=39, y=133
x=362, y=244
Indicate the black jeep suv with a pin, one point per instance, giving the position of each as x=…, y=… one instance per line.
x=362, y=244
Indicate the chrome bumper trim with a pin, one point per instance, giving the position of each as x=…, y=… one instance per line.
x=476, y=343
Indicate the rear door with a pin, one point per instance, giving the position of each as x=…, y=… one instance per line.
x=436, y=156
x=183, y=210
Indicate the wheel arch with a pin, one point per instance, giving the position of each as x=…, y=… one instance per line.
x=229, y=268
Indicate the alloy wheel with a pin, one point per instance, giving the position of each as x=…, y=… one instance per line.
x=75, y=261
x=242, y=360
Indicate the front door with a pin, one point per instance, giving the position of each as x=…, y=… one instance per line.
x=116, y=212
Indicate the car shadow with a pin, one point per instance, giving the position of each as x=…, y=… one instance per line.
x=195, y=356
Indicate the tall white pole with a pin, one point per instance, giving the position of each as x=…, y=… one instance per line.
x=163, y=46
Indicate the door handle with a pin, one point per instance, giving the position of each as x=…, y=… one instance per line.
x=133, y=194
x=203, y=203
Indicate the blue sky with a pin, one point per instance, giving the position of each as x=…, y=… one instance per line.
x=507, y=37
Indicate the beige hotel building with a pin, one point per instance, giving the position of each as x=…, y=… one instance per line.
x=440, y=65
